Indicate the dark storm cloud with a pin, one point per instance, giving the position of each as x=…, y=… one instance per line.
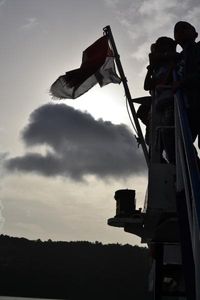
x=79, y=145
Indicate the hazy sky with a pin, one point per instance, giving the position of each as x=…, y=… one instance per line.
x=66, y=159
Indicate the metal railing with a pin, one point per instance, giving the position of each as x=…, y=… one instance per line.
x=188, y=184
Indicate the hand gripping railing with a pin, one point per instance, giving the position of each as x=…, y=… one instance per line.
x=188, y=185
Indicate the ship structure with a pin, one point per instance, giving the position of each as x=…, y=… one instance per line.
x=169, y=223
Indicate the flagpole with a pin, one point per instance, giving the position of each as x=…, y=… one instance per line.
x=108, y=32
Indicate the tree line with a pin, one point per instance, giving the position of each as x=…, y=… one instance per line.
x=73, y=270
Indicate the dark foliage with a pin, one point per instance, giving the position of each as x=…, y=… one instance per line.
x=72, y=270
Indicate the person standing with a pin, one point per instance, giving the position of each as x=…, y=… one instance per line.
x=158, y=81
x=188, y=72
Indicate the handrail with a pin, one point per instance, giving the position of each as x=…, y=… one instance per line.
x=189, y=151
x=188, y=179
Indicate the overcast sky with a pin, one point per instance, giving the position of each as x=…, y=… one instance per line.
x=66, y=159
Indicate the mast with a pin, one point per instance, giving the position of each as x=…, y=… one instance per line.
x=141, y=140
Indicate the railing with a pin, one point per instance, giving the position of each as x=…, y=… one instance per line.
x=188, y=186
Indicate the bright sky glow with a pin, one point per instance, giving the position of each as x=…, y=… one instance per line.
x=41, y=40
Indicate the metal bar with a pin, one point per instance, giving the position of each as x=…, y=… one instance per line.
x=190, y=156
x=190, y=174
x=184, y=213
x=186, y=247
x=181, y=169
x=158, y=272
x=108, y=32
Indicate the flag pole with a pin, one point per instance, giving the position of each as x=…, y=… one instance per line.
x=108, y=32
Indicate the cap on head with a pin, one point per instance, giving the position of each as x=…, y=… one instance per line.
x=185, y=30
x=165, y=43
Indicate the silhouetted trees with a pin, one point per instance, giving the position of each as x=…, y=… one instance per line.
x=72, y=270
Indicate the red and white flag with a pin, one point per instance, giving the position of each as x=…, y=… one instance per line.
x=97, y=66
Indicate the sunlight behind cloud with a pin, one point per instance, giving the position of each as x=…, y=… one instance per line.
x=41, y=40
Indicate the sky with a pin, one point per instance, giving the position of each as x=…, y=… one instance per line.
x=62, y=161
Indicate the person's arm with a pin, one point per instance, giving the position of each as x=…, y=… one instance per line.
x=148, y=82
x=192, y=78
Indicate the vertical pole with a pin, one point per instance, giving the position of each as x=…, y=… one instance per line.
x=158, y=271
x=187, y=200
x=108, y=32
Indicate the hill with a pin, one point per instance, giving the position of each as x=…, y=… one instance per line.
x=72, y=270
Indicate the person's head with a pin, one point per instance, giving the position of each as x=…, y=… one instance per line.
x=165, y=44
x=152, y=48
x=184, y=33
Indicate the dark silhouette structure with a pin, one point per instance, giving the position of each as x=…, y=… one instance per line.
x=170, y=220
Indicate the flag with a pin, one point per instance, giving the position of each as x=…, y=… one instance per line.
x=97, y=67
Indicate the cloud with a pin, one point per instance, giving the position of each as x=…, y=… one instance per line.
x=78, y=145
x=2, y=2
x=193, y=15
x=2, y=159
x=145, y=21
x=111, y=3
x=30, y=23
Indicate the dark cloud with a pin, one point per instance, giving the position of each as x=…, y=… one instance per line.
x=79, y=145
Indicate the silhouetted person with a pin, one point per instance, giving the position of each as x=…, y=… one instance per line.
x=158, y=82
x=148, y=82
x=144, y=114
x=188, y=71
